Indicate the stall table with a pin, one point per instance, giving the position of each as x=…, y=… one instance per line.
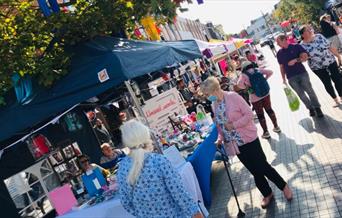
x=201, y=160
x=114, y=209
x=111, y=208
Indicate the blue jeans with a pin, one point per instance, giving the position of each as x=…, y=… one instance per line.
x=302, y=86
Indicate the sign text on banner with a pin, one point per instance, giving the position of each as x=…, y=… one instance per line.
x=158, y=109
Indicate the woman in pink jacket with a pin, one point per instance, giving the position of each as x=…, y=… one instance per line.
x=238, y=134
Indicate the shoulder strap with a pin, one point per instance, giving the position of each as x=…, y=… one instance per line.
x=247, y=74
x=256, y=70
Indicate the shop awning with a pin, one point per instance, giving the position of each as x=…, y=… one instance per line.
x=285, y=23
x=216, y=47
x=239, y=43
x=97, y=66
x=248, y=41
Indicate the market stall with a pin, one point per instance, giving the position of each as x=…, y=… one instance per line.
x=98, y=66
x=218, y=52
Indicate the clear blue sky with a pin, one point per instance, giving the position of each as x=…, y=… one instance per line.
x=234, y=15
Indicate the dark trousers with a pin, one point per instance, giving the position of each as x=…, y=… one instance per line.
x=332, y=73
x=253, y=158
x=259, y=107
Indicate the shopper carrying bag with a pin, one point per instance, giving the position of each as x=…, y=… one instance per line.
x=238, y=134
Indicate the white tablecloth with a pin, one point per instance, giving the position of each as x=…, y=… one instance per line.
x=114, y=209
x=190, y=181
x=107, y=209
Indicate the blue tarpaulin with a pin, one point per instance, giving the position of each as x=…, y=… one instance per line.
x=117, y=60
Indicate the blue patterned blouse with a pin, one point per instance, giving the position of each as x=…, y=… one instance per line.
x=320, y=57
x=159, y=191
x=221, y=119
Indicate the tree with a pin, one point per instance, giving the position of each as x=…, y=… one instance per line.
x=285, y=10
x=306, y=11
x=34, y=45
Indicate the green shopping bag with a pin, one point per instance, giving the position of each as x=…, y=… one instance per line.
x=292, y=99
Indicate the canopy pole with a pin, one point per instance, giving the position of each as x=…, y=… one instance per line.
x=141, y=112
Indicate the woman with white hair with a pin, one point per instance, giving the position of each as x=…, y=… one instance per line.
x=238, y=135
x=149, y=186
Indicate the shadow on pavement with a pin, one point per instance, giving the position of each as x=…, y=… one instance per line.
x=309, y=181
x=286, y=145
x=327, y=126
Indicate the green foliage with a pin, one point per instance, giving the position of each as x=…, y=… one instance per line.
x=306, y=11
x=33, y=44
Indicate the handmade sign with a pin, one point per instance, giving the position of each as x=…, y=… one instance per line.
x=158, y=109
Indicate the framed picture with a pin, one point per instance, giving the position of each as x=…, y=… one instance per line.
x=73, y=166
x=69, y=152
x=64, y=160
x=77, y=149
x=56, y=158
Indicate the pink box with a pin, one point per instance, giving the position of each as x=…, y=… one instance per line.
x=62, y=199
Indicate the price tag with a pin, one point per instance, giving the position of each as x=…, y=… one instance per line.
x=96, y=183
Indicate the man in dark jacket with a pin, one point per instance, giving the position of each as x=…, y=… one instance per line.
x=102, y=133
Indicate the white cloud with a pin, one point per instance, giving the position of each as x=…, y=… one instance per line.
x=234, y=15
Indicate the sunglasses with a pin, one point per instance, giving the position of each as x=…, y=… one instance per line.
x=84, y=161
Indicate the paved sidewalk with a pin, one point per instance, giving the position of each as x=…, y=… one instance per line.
x=308, y=154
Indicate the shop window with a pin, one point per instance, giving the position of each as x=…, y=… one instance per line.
x=29, y=189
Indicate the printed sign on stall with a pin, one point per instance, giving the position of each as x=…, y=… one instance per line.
x=103, y=75
x=158, y=109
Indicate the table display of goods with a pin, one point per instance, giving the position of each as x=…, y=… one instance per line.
x=105, y=193
x=196, y=127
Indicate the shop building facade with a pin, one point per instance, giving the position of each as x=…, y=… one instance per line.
x=184, y=28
